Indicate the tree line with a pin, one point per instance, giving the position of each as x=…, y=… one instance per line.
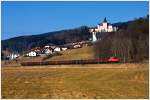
x=130, y=43
x=25, y=43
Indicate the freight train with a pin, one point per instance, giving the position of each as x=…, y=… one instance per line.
x=67, y=62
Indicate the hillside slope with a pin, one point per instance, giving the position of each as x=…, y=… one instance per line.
x=23, y=43
x=75, y=54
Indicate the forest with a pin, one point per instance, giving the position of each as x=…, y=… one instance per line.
x=24, y=43
x=130, y=43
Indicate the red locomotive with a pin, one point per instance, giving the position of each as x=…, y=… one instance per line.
x=113, y=59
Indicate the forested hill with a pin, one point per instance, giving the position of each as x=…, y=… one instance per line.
x=129, y=44
x=23, y=43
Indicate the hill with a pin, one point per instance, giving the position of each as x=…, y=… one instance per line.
x=24, y=43
x=129, y=44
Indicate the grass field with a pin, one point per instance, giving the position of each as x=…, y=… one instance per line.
x=76, y=81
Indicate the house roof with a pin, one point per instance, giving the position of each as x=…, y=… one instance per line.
x=100, y=24
x=109, y=24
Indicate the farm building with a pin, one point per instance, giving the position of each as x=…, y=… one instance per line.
x=32, y=54
x=57, y=49
x=64, y=48
x=48, y=51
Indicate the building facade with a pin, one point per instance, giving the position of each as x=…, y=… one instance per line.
x=104, y=27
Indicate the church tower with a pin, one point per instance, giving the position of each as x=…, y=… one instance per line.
x=94, y=36
x=102, y=27
x=105, y=20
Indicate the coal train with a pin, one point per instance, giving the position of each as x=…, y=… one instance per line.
x=67, y=62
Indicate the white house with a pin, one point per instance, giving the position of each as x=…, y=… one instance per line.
x=48, y=51
x=57, y=49
x=47, y=46
x=32, y=54
x=64, y=48
x=104, y=27
x=77, y=46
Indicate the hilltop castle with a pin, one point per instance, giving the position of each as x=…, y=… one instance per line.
x=102, y=27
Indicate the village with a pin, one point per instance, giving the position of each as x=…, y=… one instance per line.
x=47, y=50
x=51, y=49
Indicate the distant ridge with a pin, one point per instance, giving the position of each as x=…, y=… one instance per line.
x=23, y=43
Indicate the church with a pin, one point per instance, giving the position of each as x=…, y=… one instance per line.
x=104, y=27
x=101, y=28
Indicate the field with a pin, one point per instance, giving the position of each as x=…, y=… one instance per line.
x=76, y=81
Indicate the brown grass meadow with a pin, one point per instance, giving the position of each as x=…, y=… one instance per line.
x=119, y=81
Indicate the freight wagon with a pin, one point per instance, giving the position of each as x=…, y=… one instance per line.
x=67, y=62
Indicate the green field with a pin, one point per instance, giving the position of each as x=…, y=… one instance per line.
x=76, y=81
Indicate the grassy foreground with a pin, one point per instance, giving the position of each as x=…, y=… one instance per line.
x=105, y=81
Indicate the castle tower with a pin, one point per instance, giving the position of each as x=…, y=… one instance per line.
x=94, y=36
x=105, y=20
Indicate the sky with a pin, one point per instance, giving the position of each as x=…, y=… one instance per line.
x=20, y=18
